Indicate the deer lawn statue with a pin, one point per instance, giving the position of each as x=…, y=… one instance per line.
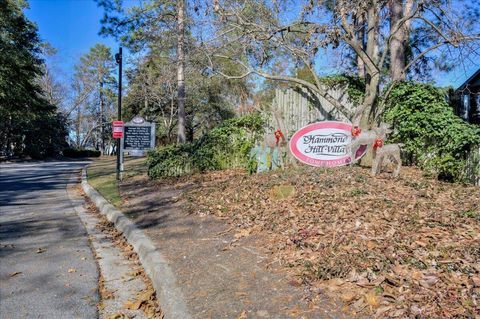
x=367, y=137
x=384, y=153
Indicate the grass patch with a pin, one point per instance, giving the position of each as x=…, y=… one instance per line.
x=472, y=214
x=101, y=175
x=283, y=191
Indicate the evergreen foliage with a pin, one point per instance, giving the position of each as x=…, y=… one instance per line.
x=30, y=125
x=95, y=85
x=225, y=146
x=435, y=138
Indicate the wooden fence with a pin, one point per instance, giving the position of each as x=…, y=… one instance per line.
x=292, y=109
x=297, y=108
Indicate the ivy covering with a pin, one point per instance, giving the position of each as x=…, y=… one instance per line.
x=435, y=138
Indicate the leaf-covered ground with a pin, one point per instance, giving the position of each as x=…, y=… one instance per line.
x=404, y=248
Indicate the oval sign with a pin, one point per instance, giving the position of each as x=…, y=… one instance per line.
x=324, y=144
x=138, y=120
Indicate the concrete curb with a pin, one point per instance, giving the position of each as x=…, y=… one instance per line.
x=156, y=267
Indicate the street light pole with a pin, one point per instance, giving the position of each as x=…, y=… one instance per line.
x=118, y=59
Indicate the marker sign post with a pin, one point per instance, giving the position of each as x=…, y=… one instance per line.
x=117, y=130
x=324, y=144
x=138, y=136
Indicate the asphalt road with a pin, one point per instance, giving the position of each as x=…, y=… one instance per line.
x=47, y=269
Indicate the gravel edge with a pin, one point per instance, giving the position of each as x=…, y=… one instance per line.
x=169, y=295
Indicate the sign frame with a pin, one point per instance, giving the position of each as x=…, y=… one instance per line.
x=343, y=130
x=138, y=123
x=117, y=129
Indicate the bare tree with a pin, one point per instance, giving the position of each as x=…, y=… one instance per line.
x=267, y=35
x=92, y=98
x=181, y=136
x=52, y=89
x=153, y=84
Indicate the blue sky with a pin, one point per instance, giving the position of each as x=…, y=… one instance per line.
x=72, y=26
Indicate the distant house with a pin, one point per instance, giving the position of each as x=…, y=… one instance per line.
x=468, y=99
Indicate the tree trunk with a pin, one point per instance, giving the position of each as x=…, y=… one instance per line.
x=397, y=42
x=78, y=126
x=181, y=138
x=365, y=116
x=360, y=27
x=102, y=120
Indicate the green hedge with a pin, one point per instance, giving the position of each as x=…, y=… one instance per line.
x=435, y=138
x=225, y=146
x=75, y=152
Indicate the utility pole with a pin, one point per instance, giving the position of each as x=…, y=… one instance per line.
x=118, y=59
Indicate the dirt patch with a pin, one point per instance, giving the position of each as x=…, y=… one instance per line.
x=222, y=272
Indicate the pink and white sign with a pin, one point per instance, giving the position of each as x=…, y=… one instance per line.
x=324, y=144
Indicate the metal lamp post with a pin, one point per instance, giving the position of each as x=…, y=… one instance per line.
x=118, y=59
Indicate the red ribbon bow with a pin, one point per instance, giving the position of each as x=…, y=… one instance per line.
x=356, y=131
x=278, y=135
x=378, y=143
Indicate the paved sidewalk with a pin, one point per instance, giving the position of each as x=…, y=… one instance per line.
x=120, y=279
x=218, y=279
x=47, y=269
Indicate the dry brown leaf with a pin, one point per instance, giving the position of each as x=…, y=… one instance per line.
x=295, y=282
x=41, y=250
x=243, y=315
x=371, y=244
x=417, y=275
x=13, y=274
x=118, y=316
x=72, y=270
x=296, y=310
x=398, y=313
x=348, y=296
x=476, y=280
x=429, y=281
x=381, y=310
x=372, y=300
x=243, y=233
x=132, y=305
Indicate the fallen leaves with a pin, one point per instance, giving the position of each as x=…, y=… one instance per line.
x=146, y=301
x=71, y=270
x=41, y=250
x=389, y=248
x=13, y=274
x=243, y=233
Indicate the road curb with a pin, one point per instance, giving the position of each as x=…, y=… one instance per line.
x=156, y=267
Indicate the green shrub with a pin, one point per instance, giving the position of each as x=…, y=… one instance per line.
x=170, y=160
x=225, y=146
x=75, y=153
x=435, y=138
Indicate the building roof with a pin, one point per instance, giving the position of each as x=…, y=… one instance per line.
x=473, y=78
